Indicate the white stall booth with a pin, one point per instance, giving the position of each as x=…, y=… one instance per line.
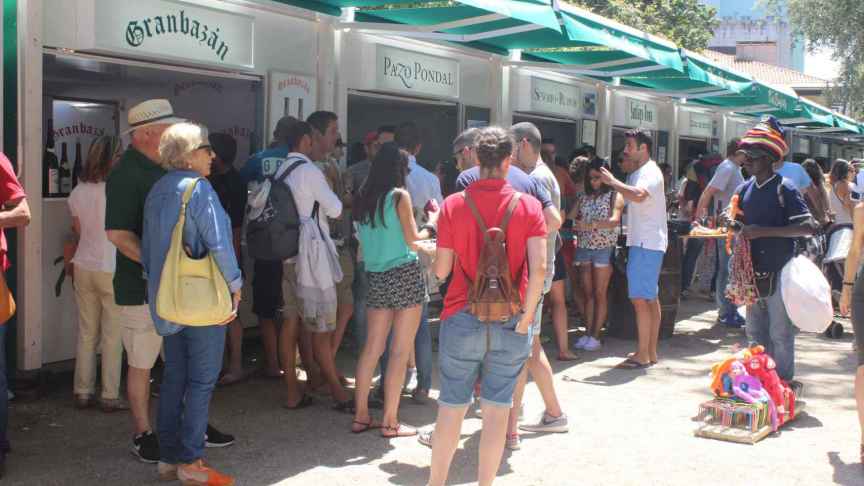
x=223, y=64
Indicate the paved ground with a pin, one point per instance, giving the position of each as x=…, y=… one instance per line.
x=628, y=428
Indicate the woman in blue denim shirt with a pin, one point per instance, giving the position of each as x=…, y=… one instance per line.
x=193, y=355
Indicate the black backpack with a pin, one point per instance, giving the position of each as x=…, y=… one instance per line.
x=275, y=234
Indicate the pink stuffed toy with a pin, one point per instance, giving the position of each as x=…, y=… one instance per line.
x=749, y=389
x=763, y=367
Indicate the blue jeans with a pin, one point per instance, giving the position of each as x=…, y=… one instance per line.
x=691, y=254
x=725, y=308
x=193, y=358
x=360, y=288
x=768, y=324
x=4, y=393
x=470, y=349
x=422, y=352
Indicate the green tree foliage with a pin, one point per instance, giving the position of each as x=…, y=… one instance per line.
x=688, y=23
x=837, y=25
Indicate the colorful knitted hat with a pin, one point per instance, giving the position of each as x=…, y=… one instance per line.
x=765, y=137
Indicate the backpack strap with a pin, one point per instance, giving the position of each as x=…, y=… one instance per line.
x=475, y=212
x=514, y=200
x=290, y=169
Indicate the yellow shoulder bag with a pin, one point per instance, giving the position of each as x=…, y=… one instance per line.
x=192, y=292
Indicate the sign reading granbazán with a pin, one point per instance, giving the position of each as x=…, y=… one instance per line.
x=554, y=97
x=172, y=29
x=640, y=114
x=400, y=70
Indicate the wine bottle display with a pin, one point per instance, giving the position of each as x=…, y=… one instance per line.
x=50, y=165
x=65, y=171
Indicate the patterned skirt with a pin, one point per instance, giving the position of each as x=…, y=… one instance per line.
x=397, y=288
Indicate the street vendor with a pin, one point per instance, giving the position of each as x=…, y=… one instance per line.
x=774, y=214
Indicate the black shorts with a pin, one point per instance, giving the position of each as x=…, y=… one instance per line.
x=560, y=268
x=267, y=289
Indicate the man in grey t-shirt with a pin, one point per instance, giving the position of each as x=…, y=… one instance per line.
x=721, y=188
x=527, y=157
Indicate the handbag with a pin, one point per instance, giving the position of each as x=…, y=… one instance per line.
x=7, y=302
x=192, y=291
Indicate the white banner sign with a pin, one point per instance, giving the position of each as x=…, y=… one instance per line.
x=553, y=97
x=822, y=149
x=700, y=125
x=414, y=72
x=641, y=114
x=804, y=146
x=174, y=30
x=291, y=94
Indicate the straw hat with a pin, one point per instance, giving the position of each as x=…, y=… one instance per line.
x=152, y=112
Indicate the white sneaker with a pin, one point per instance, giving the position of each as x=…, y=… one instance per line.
x=580, y=344
x=411, y=381
x=592, y=344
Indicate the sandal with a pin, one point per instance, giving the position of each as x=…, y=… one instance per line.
x=632, y=364
x=345, y=407
x=303, y=403
x=365, y=426
x=399, y=430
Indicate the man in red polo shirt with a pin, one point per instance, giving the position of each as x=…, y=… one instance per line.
x=468, y=347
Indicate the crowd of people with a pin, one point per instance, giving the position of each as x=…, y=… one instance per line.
x=498, y=232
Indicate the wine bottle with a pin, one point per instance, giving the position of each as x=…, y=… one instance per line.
x=65, y=172
x=77, y=166
x=50, y=165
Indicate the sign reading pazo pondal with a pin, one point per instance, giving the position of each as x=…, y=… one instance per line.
x=400, y=70
x=553, y=97
x=176, y=30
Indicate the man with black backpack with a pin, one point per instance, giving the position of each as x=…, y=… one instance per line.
x=486, y=322
x=267, y=274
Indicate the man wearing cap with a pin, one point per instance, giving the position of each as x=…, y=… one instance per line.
x=266, y=275
x=774, y=214
x=126, y=190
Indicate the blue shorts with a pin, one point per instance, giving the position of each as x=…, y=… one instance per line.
x=598, y=258
x=468, y=348
x=643, y=272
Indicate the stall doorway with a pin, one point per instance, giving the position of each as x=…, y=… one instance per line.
x=690, y=149
x=85, y=96
x=438, y=122
x=563, y=131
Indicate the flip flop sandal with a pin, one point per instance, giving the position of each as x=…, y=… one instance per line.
x=345, y=407
x=366, y=426
x=400, y=430
x=303, y=403
x=632, y=364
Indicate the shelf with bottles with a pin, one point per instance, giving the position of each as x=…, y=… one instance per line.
x=59, y=177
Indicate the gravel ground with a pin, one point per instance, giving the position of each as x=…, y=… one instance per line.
x=627, y=428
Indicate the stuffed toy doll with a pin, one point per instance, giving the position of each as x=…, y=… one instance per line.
x=749, y=389
x=721, y=383
x=763, y=367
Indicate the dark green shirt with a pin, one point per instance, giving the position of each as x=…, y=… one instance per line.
x=126, y=191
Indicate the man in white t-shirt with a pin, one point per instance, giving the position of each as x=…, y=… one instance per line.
x=721, y=188
x=646, y=240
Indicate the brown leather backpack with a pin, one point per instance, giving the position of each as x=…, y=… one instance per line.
x=492, y=296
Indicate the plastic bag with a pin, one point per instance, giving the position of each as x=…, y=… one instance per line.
x=806, y=295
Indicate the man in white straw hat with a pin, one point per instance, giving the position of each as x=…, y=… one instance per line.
x=127, y=188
